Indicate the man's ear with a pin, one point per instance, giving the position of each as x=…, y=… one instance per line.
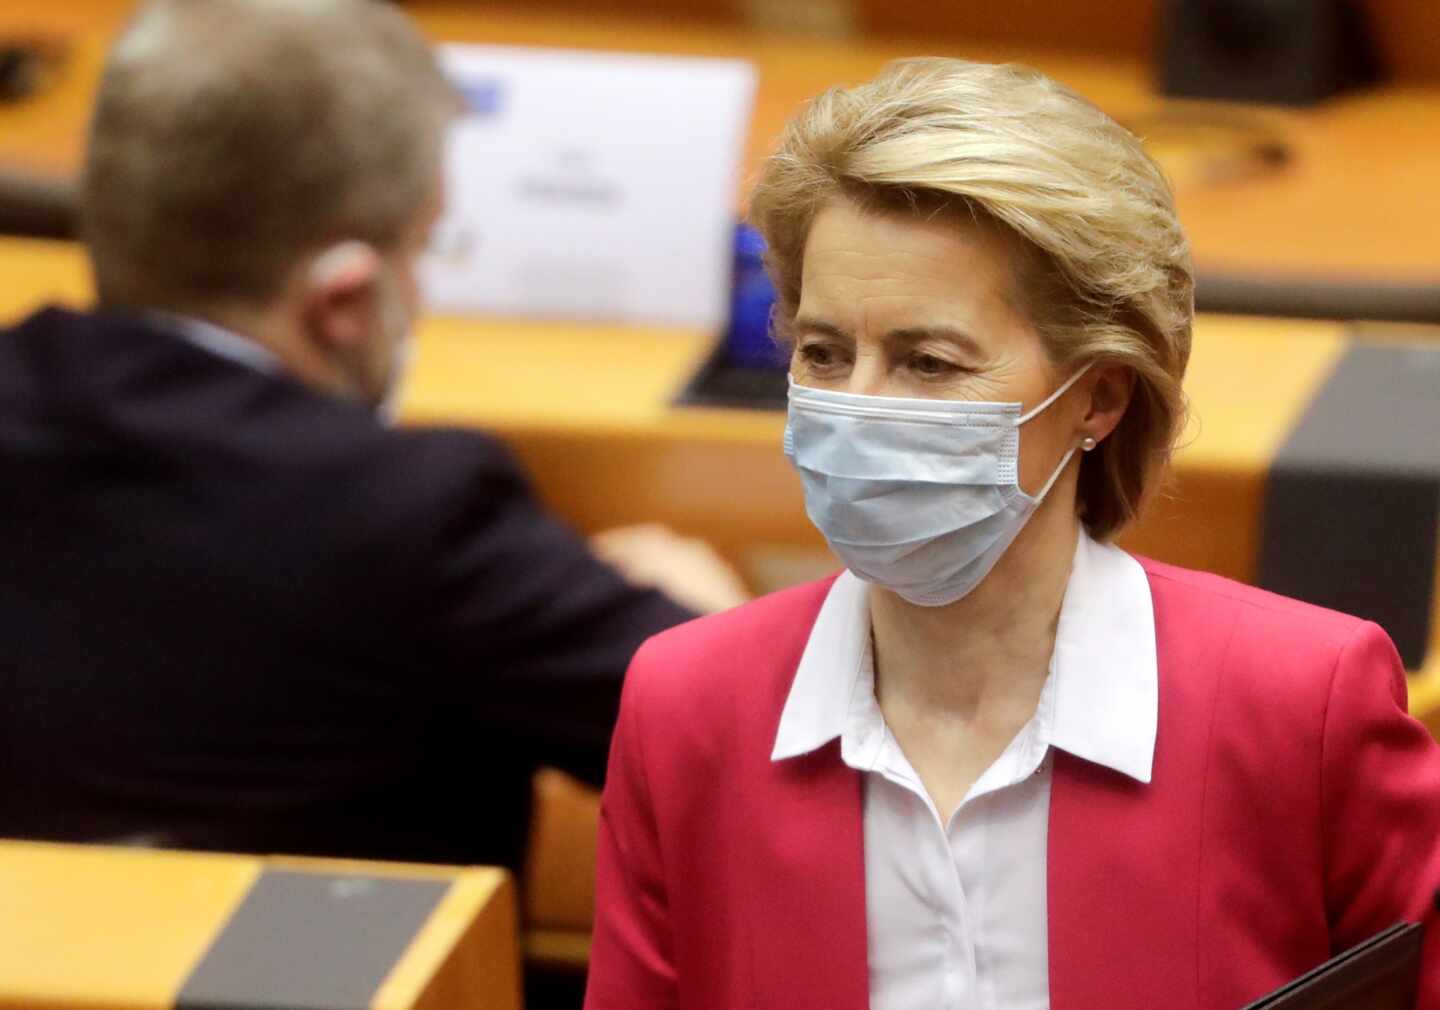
x=1110, y=394
x=341, y=294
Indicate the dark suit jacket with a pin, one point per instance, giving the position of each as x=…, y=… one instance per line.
x=241, y=615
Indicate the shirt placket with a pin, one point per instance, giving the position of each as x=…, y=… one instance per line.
x=954, y=918
x=962, y=976
x=967, y=841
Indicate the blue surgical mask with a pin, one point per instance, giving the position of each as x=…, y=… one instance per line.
x=919, y=496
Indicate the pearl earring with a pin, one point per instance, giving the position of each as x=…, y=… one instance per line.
x=1087, y=443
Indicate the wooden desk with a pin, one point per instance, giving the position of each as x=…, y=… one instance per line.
x=589, y=410
x=103, y=928
x=1356, y=202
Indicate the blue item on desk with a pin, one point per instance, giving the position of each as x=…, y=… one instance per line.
x=748, y=342
x=746, y=368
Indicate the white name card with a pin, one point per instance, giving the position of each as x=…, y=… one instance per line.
x=591, y=185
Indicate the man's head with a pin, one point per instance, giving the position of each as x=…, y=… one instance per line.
x=272, y=166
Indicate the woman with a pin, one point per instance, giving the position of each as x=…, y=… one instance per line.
x=997, y=762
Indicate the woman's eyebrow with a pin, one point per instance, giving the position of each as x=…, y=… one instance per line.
x=915, y=334
x=810, y=324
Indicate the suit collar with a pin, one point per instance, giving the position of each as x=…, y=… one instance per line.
x=1107, y=686
x=819, y=699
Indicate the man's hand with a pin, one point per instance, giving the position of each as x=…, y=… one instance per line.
x=686, y=569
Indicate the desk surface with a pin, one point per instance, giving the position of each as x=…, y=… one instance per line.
x=101, y=927
x=1356, y=200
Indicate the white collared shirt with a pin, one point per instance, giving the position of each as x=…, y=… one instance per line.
x=219, y=341
x=956, y=913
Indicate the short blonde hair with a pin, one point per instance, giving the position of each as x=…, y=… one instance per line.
x=231, y=137
x=1108, y=277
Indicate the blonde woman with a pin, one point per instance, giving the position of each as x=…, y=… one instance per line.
x=997, y=762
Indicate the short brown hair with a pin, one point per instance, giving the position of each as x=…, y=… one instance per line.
x=1109, y=276
x=230, y=137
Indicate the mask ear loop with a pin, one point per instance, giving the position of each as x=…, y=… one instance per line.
x=1053, y=396
x=1054, y=476
x=1064, y=460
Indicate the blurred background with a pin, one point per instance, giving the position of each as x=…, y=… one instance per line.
x=1303, y=141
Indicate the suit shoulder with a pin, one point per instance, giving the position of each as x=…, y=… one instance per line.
x=1272, y=652
x=782, y=613
x=437, y=480
x=416, y=497
x=713, y=688
x=1217, y=595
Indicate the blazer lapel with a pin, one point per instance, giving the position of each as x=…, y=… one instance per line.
x=808, y=911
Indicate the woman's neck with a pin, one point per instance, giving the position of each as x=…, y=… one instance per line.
x=991, y=647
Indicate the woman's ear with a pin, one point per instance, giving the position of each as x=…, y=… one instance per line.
x=1110, y=392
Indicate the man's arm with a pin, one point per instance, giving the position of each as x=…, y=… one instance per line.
x=686, y=569
x=533, y=629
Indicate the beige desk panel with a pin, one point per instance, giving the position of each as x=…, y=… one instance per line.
x=104, y=928
x=69, y=922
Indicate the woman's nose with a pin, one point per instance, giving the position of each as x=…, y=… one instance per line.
x=869, y=375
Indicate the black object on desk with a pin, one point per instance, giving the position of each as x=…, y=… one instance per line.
x=746, y=368
x=722, y=381
x=1351, y=518
x=1382, y=973
x=27, y=65
x=18, y=72
x=37, y=207
x=1291, y=52
x=1378, y=301
x=29, y=205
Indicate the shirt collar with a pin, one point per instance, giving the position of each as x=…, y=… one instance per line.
x=220, y=341
x=1104, y=682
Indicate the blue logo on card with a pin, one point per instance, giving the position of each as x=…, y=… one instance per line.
x=482, y=95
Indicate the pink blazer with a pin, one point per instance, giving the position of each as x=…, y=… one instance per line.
x=1294, y=810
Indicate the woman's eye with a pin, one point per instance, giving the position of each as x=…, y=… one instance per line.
x=819, y=355
x=928, y=364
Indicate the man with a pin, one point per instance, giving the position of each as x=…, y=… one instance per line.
x=238, y=611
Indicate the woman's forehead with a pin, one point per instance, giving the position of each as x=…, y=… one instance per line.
x=864, y=268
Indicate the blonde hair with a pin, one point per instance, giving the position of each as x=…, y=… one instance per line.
x=1107, y=274
x=231, y=137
